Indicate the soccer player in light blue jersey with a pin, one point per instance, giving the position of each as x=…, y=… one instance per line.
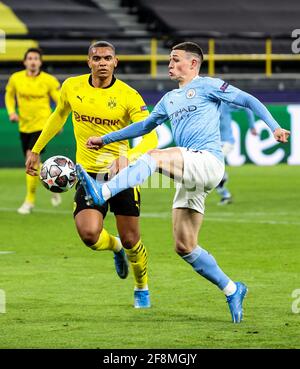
x=196, y=164
x=227, y=141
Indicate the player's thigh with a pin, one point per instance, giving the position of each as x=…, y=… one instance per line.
x=169, y=162
x=186, y=226
x=89, y=224
x=126, y=208
x=88, y=218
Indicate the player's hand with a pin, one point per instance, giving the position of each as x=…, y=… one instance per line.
x=94, y=143
x=281, y=135
x=253, y=131
x=117, y=165
x=13, y=117
x=32, y=163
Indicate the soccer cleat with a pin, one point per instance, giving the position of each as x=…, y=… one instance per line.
x=26, y=208
x=225, y=201
x=142, y=299
x=56, y=199
x=235, y=302
x=121, y=263
x=91, y=187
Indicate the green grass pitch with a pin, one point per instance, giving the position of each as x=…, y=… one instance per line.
x=60, y=294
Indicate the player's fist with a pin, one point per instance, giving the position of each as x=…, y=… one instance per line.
x=94, y=143
x=281, y=135
x=13, y=117
x=32, y=163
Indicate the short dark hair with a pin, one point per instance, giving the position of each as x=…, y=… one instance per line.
x=101, y=44
x=33, y=50
x=190, y=47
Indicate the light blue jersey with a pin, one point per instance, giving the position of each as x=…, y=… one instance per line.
x=194, y=113
x=226, y=118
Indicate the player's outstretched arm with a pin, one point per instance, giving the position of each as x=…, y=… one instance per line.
x=132, y=131
x=251, y=102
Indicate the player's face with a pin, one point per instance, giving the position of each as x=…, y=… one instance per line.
x=181, y=65
x=33, y=62
x=102, y=62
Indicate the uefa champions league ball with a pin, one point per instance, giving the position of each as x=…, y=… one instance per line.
x=58, y=174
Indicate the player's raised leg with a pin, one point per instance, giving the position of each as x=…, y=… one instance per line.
x=167, y=161
x=186, y=226
x=224, y=193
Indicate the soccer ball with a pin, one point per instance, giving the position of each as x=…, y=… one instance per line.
x=58, y=174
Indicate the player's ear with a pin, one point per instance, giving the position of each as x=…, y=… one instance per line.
x=89, y=63
x=194, y=63
x=116, y=62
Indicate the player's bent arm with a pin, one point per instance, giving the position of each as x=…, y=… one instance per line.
x=133, y=130
x=10, y=101
x=55, y=95
x=55, y=91
x=148, y=142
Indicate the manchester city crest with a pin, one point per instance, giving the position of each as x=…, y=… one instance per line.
x=190, y=93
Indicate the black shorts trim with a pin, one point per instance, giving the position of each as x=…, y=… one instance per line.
x=28, y=140
x=125, y=203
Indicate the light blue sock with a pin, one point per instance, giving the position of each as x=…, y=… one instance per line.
x=133, y=175
x=206, y=265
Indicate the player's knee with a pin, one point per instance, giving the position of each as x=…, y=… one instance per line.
x=129, y=239
x=154, y=153
x=90, y=237
x=182, y=247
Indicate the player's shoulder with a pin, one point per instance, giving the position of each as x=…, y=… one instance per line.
x=75, y=80
x=126, y=87
x=212, y=81
x=17, y=75
x=49, y=77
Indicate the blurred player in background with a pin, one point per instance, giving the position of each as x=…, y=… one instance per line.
x=100, y=104
x=32, y=90
x=227, y=141
x=196, y=164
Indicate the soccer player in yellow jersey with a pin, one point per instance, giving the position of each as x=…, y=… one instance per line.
x=100, y=103
x=32, y=89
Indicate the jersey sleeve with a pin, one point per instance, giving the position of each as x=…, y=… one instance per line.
x=159, y=114
x=54, y=89
x=55, y=122
x=10, y=93
x=217, y=89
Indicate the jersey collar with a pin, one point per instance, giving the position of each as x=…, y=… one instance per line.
x=113, y=80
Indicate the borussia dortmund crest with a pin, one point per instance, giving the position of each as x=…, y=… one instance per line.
x=112, y=103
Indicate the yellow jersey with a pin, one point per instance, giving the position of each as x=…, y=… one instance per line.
x=33, y=99
x=96, y=112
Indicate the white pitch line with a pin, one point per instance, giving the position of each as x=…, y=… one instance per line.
x=6, y=252
x=272, y=222
x=242, y=218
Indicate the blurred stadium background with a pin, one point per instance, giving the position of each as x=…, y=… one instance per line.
x=247, y=43
x=59, y=294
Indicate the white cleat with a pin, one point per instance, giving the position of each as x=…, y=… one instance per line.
x=26, y=208
x=56, y=199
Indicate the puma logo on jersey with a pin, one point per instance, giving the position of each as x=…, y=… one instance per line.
x=80, y=98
